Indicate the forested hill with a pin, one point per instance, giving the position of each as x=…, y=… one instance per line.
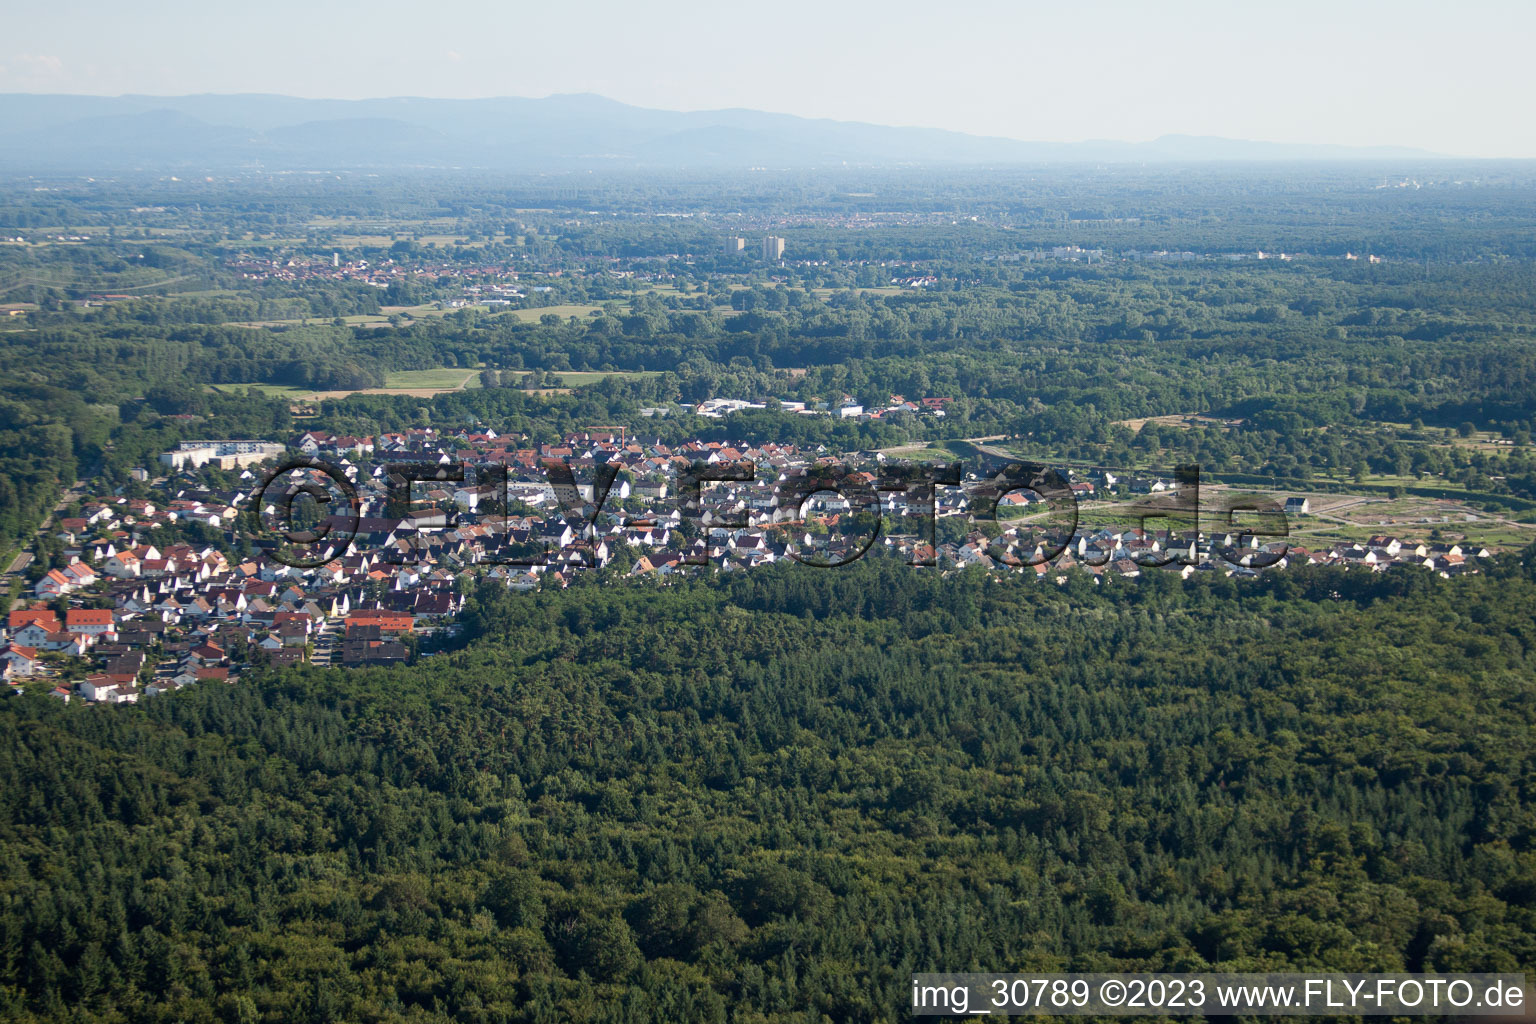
x=773, y=795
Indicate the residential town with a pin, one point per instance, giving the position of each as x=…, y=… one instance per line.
x=177, y=588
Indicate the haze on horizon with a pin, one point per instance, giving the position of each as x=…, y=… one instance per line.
x=1452, y=80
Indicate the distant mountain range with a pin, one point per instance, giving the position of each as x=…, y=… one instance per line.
x=97, y=133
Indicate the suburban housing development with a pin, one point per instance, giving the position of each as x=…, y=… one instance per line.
x=146, y=610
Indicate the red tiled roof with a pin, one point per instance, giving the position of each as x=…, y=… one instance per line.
x=42, y=616
x=88, y=617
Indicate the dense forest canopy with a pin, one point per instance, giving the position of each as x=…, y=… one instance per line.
x=774, y=795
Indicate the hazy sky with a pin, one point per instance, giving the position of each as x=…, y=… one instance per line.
x=1450, y=75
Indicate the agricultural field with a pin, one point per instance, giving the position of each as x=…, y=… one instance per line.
x=419, y=383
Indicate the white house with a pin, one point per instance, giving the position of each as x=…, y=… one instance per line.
x=93, y=622
x=53, y=584
x=123, y=565
x=22, y=660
